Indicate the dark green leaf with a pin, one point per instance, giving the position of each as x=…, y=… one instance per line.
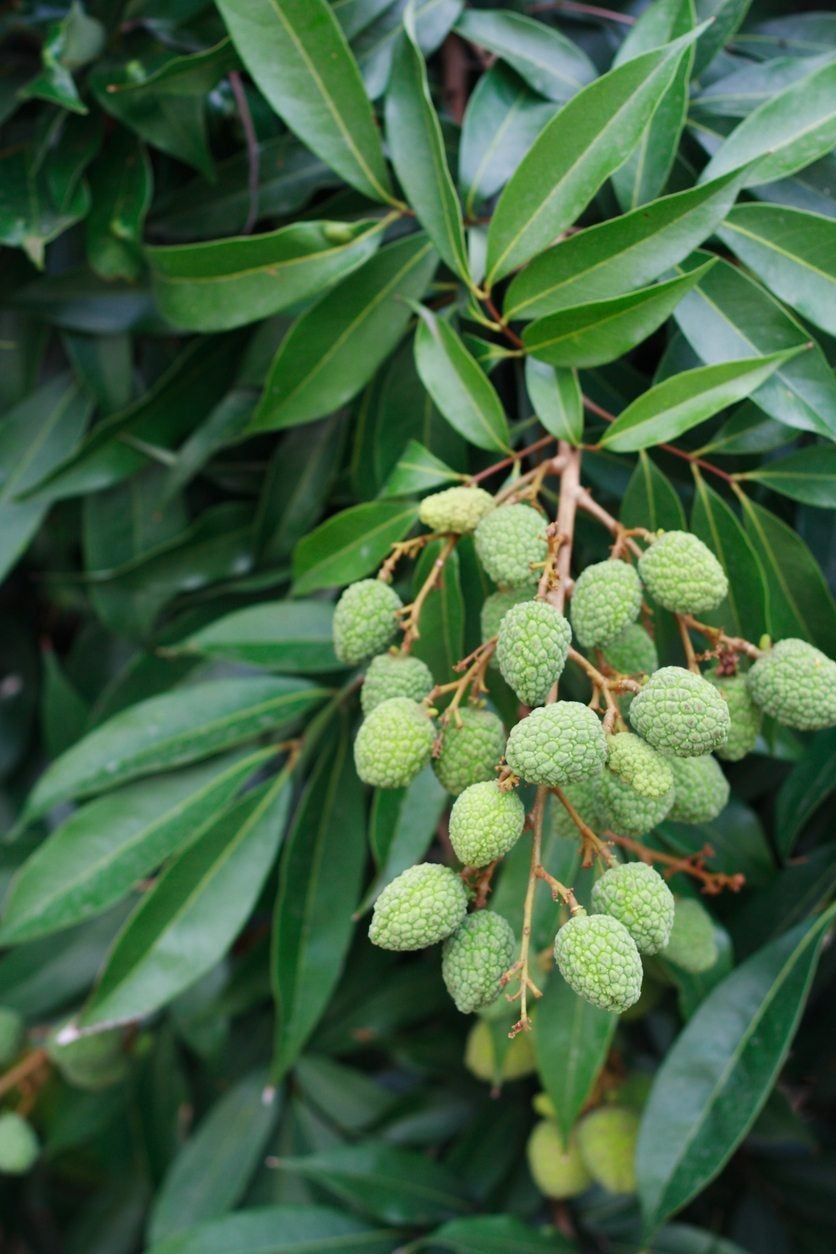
x=650, y=497
x=457, y=385
x=743, y=610
x=290, y=1229
x=571, y=1042
x=289, y=636
x=494, y=1234
x=804, y=790
x=808, y=475
x=402, y=825
x=351, y=544
x=121, y=186
x=556, y=396
x=549, y=62
x=417, y=469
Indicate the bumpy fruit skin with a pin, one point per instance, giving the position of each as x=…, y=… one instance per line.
x=496, y=606
x=606, y=598
x=701, y=790
x=509, y=540
x=394, y=675
x=485, y=823
x=557, y=744
x=586, y=798
x=640, y=899
x=18, y=1145
x=455, y=509
x=531, y=649
x=91, y=1062
x=795, y=683
x=636, y=763
x=682, y=574
x=598, y=958
x=393, y=743
x=745, y=716
x=364, y=620
x=692, y=944
x=480, y=1056
x=11, y=1034
x=557, y=1169
x=680, y=713
x=607, y=1141
x=471, y=752
x=422, y=906
x=627, y=812
x=474, y=958
x=632, y=652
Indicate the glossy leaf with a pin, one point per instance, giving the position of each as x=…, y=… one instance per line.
x=808, y=475
x=417, y=470
x=441, y=643
x=457, y=385
x=555, y=393
x=350, y=544
x=807, y=786
x=495, y=1234
x=402, y=825
x=743, y=610
x=293, y=637
x=549, y=62
x=726, y=17
x=571, y=1042
x=287, y=1229
x=651, y=497
x=121, y=186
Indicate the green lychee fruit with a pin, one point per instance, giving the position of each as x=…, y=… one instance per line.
x=692, y=944
x=607, y=597
x=470, y=751
x=682, y=574
x=598, y=959
x=364, y=620
x=12, y=1031
x=455, y=509
x=485, y=823
x=632, y=652
x=640, y=899
x=422, y=906
x=680, y=713
x=510, y=541
x=394, y=743
x=701, y=790
x=585, y=797
x=627, y=812
x=18, y=1145
x=557, y=744
x=480, y=1056
x=496, y=606
x=474, y=958
x=795, y=683
x=637, y=764
x=394, y=675
x=91, y=1062
x=531, y=649
x=557, y=1169
x=607, y=1142
x=745, y=716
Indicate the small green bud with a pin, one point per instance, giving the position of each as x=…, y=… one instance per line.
x=531, y=650
x=364, y=620
x=607, y=1142
x=394, y=675
x=393, y=743
x=606, y=598
x=640, y=899
x=701, y=790
x=795, y=683
x=509, y=542
x=485, y=823
x=19, y=1147
x=475, y=957
x=680, y=713
x=557, y=744
x=455, y=509
x=692, y=944
x=598, y=959
x=682, y=574
x=422, y=906
x=557, y=1169
x=470, y=750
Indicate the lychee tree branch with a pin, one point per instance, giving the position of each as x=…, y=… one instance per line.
x=692, y=864
x=411, y=613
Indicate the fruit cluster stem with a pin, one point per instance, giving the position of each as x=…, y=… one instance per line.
x=692, y=864
x=412, y=613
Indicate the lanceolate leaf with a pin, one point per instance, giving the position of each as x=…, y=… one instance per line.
x=418, y=469
x=289, y=636
x=743, y=612
x=651, y=497
x=571, y=1042
x=552, y=64
x=808, y=475
x=459, y=387
x=350, y=544
x=721, y=1070
x=807, y=786
x=555, y=393
x=300, y=60
x=577, y=151
x=286, y=1229
x=401, y=827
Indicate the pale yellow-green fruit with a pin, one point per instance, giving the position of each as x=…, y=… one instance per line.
x=632, y=652
x=394, y=675
x=638, y=897
x=692, y=944
x=510, y=543
x=598, y=959
x=531, y=650
x=682, y=574
x=474, y=959
x=496, y=606
x=701, y=790
x=607, y=1142
x=480, y=1056
x=485, y=823
x=365, y=621
x=471, y=748
x=745, y=716
x=606, y=598
x=680, y=713
x=557, y=744
x=394, y=743
x=18, y=1145
x=585, y=797
x=795, y=683
x=422, y=906
x=558, y=1170
x=455, y=509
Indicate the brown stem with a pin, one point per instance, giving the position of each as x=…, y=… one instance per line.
x=732, y=644
x=509, y=461
x=687, y=645
x=412, y=613
x=474, y=667
x=593, y=846
x=24, y=1069
x=692, y=864
x=253, y=155
x=454, y=75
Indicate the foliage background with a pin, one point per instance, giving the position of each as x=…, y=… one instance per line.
x=199, y=447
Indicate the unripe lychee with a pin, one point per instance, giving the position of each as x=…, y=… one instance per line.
x=627, y=812
x=422, y=906
x=475, y=957
x=745, y=716
x=557, y=1169
x=557, y=744
x=496, y=606
x=701, y=790
x=510, y=541
x=455, y=509
x=11, y=1034
x=364, y=620
x=394, y=675
x=692, y=944
x=598, y=958
x=485, y=823
x=393, y=743
x=640, y=899
x=795, y=683
x=606, y=598
x=531, y=649
x=607, y=1142
x=682, y=574
x=632, y=652
x=90, y=1062
x=585, y=797
x=18, y=1145
x=637, y=764
x=471, y=750
x=480, y=1056
x=680, y=713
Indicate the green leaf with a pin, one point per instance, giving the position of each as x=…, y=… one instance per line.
x=556, y=396
x=351, y=544
x=494, y=1234
x=729, y=317
x=319, y=886
x=806, y=787
x=549, y=62
x=228, y=282
x=685, y=400
x=416, y=145
x=786, y=133
x=725, y=18
x=105, y=848
x=798, y=600
x=743, y=610
x=402, y=825
x=164, y=732
x=69, y=44
x=458, y=386
x=808, y=475
x=214, y=1167
x=191, y=916
x=296, y=486
x=576, y=152
x=571, y=1042
x=338, y=344
x=293, y=637
x=121, y=186
x=712, y=1084
x=748, y=430
x=289, y=1229
x=793, y=254
x=650, y=501
x=627, y=252
x=417, y=470
x=602, y=330
x=302, y=64
x=441, y=643
x=793, y=895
